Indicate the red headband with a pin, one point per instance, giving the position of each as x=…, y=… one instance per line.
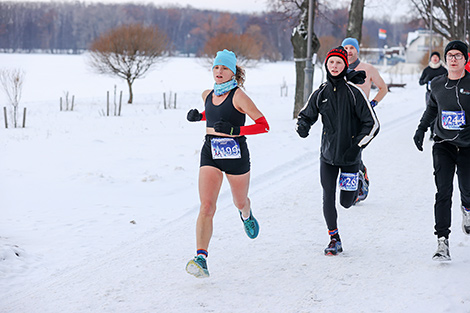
x=338, y=52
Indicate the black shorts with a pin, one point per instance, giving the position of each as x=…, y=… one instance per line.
x=229, y=166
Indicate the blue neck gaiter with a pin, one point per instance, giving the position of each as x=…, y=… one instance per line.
x=220, y=89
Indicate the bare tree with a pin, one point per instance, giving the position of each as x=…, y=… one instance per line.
x=128, y=52
x=356, y=16
x=450, y=18
x=12, y=82
x=298, y=10
x=246, y=47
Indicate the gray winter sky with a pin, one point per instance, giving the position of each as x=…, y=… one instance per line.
x=373, y=8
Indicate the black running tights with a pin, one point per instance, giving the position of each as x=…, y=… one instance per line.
x=329, y=181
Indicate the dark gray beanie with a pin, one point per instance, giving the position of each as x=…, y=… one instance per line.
x=457, y=45
x=436, y=53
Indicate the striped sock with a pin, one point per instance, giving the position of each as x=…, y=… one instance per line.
x=334, y=234
x=202, y=252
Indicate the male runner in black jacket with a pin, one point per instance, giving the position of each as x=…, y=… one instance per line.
x=449, y=108
x=349, y=125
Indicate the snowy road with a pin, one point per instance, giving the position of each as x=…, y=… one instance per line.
x=388, y=239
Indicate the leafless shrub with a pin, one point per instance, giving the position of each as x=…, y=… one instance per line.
x=128, y=52
x=245, y=46
x=12, y=82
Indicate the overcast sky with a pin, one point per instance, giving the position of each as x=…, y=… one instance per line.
x=241, y=6
x=373, y=8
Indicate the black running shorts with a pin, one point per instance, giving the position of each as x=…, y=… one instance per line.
x=229, y=166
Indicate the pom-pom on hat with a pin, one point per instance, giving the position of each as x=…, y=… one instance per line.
x=457, y=45
x=338, y=52
x=351, y=41
x=226, y=58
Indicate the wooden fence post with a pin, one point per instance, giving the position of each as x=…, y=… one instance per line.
x=120, y=103
x=5, y=115
x=24, y=117
x=107, y=103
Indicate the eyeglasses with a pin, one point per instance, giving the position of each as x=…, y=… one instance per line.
x=458, y=56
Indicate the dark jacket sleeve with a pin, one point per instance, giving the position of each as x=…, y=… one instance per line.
x=423, y=80
x=310, y=111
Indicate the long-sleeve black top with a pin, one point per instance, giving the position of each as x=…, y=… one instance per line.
x=449, y=108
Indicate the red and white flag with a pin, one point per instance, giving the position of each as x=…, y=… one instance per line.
x=382, y=33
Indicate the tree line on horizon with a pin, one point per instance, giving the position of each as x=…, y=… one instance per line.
x=58, y=27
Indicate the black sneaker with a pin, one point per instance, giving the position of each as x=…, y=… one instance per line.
x=363, y=185
x=334, y=247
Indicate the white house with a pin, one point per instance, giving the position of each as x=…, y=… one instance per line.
x=418, y=45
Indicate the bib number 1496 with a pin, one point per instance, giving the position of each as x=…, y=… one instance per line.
x=225, y=148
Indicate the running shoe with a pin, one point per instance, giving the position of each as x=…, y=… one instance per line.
x=251, y=226
x=466, y=220
x=363, y=184
x=442, y=253
x=334, y=247
x=198, y=267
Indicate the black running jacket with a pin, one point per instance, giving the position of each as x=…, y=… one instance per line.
x=349, y=121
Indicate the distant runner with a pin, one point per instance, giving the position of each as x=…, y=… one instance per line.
x=434, y=69
x=372, y=77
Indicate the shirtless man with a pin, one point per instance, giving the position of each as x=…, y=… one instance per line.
x=351, y=45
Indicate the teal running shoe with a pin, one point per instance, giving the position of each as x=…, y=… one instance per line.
x=198, y=267
x=251, y=226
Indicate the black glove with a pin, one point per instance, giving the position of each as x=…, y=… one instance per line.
x=226, y=128
x=464, y=133
x=302, y=128
x=419, y=138
x=352, y=152
x=194, y=115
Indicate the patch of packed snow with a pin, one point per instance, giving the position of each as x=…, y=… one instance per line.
x=98, y=213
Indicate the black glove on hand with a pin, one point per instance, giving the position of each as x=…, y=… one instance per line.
x=465, y=133
x=226, y=128
x=419, y=138
x=194, y=115
x=352, y=152
x=302, y=128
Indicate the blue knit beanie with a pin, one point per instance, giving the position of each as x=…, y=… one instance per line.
x=226, y=58
x=351, y=41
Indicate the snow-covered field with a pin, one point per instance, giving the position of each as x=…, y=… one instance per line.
x=98, y=213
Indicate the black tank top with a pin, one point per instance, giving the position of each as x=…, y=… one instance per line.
x=225, y=111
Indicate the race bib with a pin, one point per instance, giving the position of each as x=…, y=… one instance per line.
x=225, y=148
x=453, y=120
x=348, y=181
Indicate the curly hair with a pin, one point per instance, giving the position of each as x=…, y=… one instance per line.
x=240, y=76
